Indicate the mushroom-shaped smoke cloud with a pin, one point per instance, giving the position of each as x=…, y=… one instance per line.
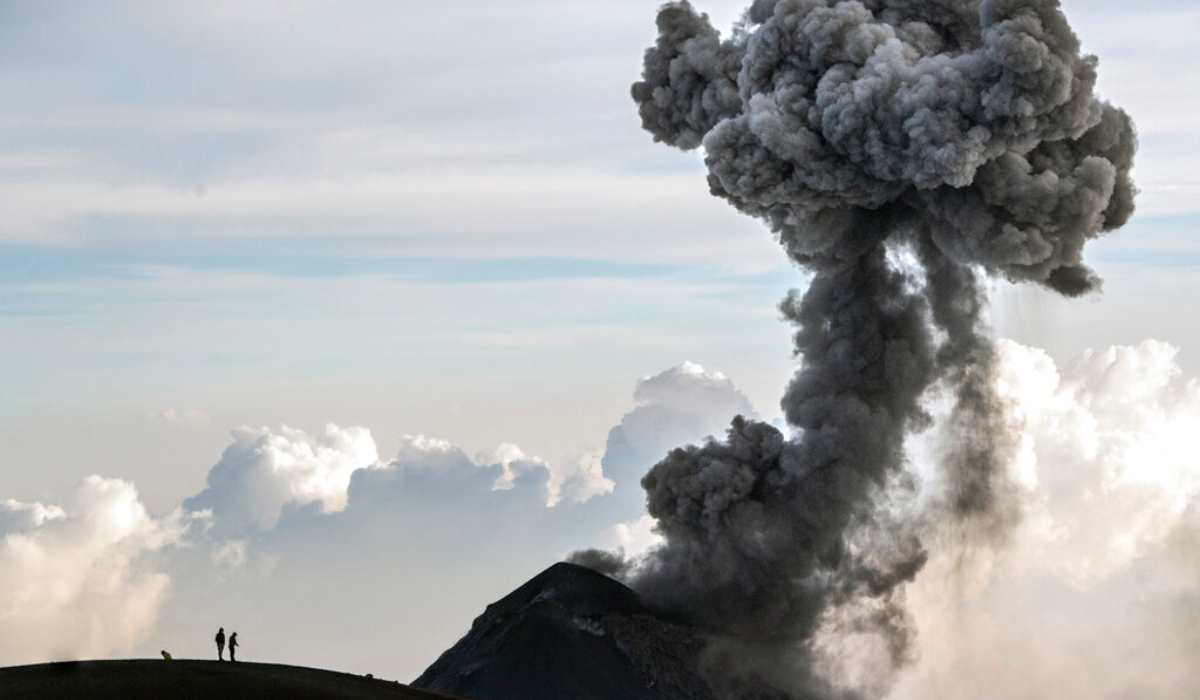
x=900, y=150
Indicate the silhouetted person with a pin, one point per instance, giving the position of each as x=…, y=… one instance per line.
x=220, y=639
x=232, y=646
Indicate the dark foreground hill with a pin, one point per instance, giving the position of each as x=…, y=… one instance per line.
x=571, y=634
x=195, y=680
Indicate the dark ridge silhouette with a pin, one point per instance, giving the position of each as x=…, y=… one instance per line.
x=571, y=633
x=196, y=680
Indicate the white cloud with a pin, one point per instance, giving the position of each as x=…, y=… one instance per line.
x=230, y=555
x=512, y=461
x=265, y=470
x=17, y=516
x=74, y=581
x=423, y=461
x=581, y=478
x=430, y=530
x=1106, y=449
x=436, y=467
x=685, y=384
x=633, y=537
x=681, y=405
x=1094, y=596
x=427, y=538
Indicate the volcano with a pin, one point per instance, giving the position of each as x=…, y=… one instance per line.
x=571, y=633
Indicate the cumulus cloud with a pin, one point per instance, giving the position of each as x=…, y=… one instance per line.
x=682, y=404
x=76, y=580
x=1094, y=594
x=1106, y=453
x=16, y=516
x=425, y=538
x=422, y=460
x=1090, y=592
x=511, y=459
x=438, y=479
x=632, y=538
x=1093, y=591
x=581, y=478
x=266, y=470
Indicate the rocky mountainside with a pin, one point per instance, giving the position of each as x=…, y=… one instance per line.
x=571, y=634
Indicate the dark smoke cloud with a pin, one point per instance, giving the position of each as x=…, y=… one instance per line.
x=900, y=150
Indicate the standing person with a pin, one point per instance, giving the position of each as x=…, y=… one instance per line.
x=220, y=639
x=232, y=646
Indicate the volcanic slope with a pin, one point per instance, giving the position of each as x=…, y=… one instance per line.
x=195, y=680
x=571, y=633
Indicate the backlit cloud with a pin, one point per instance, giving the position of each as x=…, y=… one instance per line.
x=78, y=581
x=265, y=470
x=1095, y=593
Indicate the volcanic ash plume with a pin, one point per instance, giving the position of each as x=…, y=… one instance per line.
x=900, y=150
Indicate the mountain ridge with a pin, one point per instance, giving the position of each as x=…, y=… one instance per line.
x=191, y=679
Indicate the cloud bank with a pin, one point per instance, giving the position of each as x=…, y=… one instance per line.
x=374, y=565
x=265, y=471
x=78, y=580
x=1095, y=594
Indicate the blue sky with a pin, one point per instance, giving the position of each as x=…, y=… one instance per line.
x=430, y=219
x=205, y=201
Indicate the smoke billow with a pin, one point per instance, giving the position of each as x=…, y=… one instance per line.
x=901, y=151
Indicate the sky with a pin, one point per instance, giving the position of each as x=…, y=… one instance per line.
x=330, y=323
